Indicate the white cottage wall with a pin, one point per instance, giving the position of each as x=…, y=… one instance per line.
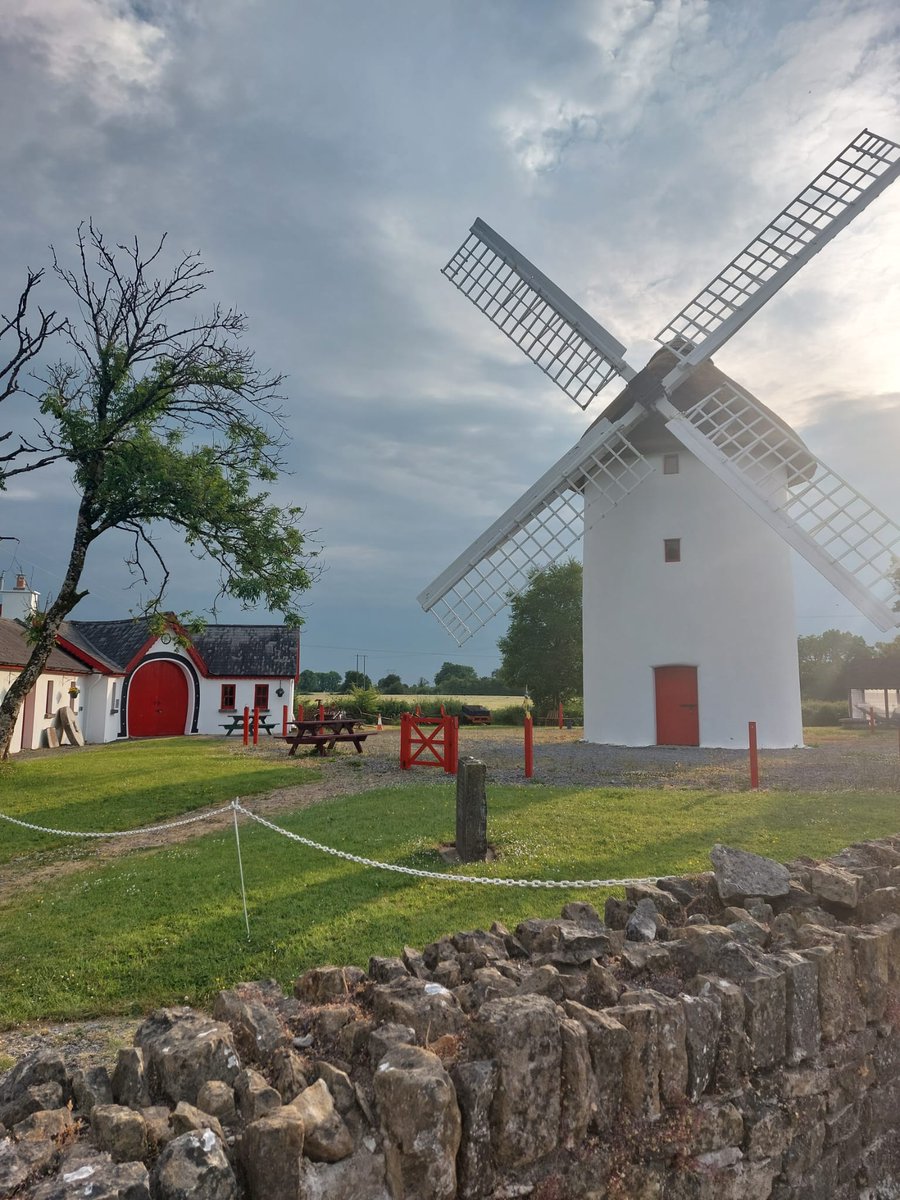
x=726, y=608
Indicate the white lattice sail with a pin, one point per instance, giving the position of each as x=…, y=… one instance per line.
x=839, y=193
x=841, y=533
x=541, y=528
x=569, y=346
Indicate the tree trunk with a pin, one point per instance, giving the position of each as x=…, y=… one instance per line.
x=46, y=635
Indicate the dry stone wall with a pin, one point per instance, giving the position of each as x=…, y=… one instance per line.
x=728, y=1036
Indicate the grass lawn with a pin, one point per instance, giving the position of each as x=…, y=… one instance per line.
x=126, y=786
x=166, y=926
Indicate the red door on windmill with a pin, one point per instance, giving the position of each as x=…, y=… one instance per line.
x=157, y=700
x=677, y=714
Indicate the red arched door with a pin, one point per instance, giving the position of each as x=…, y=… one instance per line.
x=157, y=700
x=677, y=716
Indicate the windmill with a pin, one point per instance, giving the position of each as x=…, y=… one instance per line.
x=688, y=492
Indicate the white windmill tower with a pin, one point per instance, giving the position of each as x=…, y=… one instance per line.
x=688, y=491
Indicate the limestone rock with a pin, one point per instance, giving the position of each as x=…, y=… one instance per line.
x=288, y=1073
x=834, y=885
x=120, y=1131
x=188, y=1119
x=37, y=1082
x=20, y=1161
x=90, y=1086
x=360, y=1177
x=474, y=1083
x=703, y=1015
x=641, y=925
x=420, y=1121
x=383, y=970
x=430, y=1009
x=385, y=1037
x=217, y=1099
x=640, y=1066
x=257, y=1031
x=129, y=1080
x=339, y=1085
x=562, y=942
x=740, y=874
x=322, y=985
x=254, y=1095
x=576, y=1083
x=97, y=1178
x=271, y=1150
x=184, y=1049
x=521, y=1035
x=608, y=1043
x=50, y=1125
x=194, y=1167
x=326, y=1137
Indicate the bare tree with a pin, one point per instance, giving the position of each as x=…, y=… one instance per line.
x=162, y=416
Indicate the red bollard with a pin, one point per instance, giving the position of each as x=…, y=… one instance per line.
x=321, y=711
x=754, y=759
x=529, y=746
x=451, y=745
x=246, y=725
x=405, y=741
x=559, y=715
x=299, y=712
x=255, y=725
x=284, y=720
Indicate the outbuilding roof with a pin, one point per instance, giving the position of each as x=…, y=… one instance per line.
x=874, y=673
x=15, y=651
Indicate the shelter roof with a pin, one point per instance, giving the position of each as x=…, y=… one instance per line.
x=15, y=651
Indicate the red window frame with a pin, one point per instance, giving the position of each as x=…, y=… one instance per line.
x=261, y=695
x=227, y=698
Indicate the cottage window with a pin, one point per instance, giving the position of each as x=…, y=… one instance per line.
x=261, y=695
x=114, y=699
x=670, y=464
x=672, y=549
x=227, y=700
x=48, y=703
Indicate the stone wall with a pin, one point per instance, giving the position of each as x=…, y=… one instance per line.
x=729, y=1036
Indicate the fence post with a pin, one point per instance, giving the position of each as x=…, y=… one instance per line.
x=451, y=744
x=299, y=712
x=255, y=725
x=404, y=741
x=246, y=725
x=559, y=715
x=754, y=759
x=529, y=746
x=321, y=711
x=284, y=720
x=471, y=811
x=871, y=719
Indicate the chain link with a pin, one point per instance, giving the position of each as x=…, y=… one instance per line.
x=112, y=833
x=446, y=877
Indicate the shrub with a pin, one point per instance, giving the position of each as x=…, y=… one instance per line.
x=824, y=712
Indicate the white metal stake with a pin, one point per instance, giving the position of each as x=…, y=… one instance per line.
x=237, y=841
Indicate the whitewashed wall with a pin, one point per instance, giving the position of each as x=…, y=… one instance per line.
x=726, y=608
x=41, y=720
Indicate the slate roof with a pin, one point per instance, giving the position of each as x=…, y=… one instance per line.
x=249, y=650
x=229, y=650
x=15, y=651
x=113, y=642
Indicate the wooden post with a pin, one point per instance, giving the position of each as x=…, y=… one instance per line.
x=451, y=744
x=443, y=711
x=559, y=715
x=284, y=720
x=871, y=719
x=529, y=746
x=246, y=725
x=405, y=739
x=754, y=759
x=471, y=811
x=255, y=725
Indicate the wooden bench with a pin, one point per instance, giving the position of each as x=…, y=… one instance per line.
x=324, y=741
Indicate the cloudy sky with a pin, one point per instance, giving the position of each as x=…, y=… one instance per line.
x=327, y=157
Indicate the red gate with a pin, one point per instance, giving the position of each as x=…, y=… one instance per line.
x=429, y=742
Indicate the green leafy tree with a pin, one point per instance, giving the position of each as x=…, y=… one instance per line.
x=311, y=681
x=330, y=681
x=355, y=679
x=162, y=417
x=455, y=674
x=391, y=685
x=542, y=646
x=824, y=659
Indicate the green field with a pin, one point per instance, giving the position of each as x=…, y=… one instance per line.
x=167, y=926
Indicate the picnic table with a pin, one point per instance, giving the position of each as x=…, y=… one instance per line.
x=236, y=724
x=325, y=733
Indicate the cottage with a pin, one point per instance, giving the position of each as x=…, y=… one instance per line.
x=124, y=680
x=875, y=686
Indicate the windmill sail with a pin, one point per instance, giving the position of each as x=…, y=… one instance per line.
x=569, y=346
x=839, y=193
x=539, y=529
x=846, y=538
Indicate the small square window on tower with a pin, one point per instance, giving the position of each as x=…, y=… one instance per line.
x=672, y=549
x=670, y=464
